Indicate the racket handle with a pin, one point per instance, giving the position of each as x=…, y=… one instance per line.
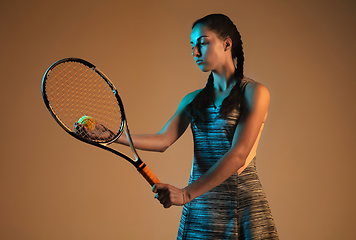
x=148, y=175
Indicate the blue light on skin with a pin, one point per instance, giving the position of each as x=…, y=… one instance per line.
x=211, y=53
x=207, y=49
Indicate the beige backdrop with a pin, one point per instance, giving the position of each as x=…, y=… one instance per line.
x=55, y=187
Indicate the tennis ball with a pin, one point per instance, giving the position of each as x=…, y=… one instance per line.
x=87, y=121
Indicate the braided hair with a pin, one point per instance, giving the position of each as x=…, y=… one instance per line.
x=224, y=28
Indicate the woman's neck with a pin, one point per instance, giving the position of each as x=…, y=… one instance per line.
x=224, y=79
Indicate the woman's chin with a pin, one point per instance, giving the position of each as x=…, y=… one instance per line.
x=203, y=68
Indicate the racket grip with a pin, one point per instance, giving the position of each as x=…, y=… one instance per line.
x=149, y=175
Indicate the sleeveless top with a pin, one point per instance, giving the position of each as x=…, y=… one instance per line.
x=237, y=208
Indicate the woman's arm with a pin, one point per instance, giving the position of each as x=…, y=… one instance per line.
x=256, y=106
x=171, y=131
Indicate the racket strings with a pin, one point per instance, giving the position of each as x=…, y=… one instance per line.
x=75, y=90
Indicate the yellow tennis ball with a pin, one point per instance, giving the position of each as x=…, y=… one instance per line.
x=87, y=121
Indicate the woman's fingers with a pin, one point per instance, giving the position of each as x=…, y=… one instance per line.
x=100, y=132
x=157, y=186
x=162, y=194
x=168, y=195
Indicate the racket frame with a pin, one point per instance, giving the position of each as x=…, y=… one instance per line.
x=137, y=162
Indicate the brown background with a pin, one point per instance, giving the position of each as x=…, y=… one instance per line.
x=55, y=187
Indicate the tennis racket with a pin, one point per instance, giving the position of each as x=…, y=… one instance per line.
x=85, y=103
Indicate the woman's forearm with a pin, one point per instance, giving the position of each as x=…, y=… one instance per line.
x=149, y=142
x=222, y=170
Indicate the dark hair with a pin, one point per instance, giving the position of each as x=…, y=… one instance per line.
x=224, y=28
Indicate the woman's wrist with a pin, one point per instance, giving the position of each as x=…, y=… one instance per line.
x=183, y=193
x=186, y=196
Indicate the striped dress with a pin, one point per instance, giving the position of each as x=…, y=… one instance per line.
x=237, y=208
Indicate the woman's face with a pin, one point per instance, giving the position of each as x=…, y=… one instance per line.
x=207, y=49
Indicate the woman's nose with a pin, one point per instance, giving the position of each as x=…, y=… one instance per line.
x=196, y=51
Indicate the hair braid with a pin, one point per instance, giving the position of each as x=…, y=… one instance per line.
x=238, y=54
x=202, y=100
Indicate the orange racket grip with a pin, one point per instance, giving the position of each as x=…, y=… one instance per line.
x=149, y=176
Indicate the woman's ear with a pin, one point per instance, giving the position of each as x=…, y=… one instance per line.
x=227, y=44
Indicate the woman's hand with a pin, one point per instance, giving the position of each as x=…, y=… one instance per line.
x=169, y=195
x=100, y=132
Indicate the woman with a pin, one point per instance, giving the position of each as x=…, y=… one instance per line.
x=224, y=198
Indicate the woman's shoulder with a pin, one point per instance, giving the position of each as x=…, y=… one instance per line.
x=252, y=84
x=253, y=89
x=247, y=81
x=189, y=98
